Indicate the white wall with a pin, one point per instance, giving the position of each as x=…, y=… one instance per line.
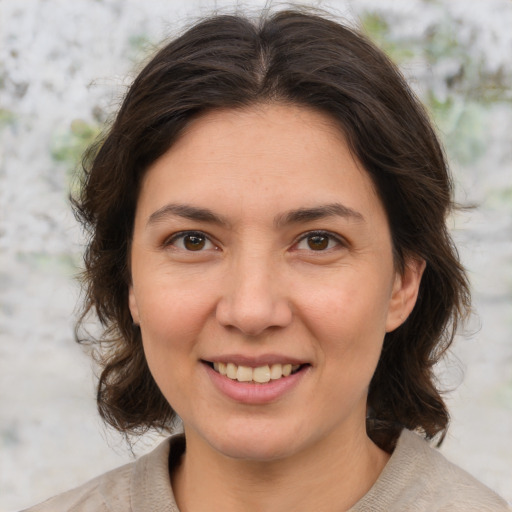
x=60, y=61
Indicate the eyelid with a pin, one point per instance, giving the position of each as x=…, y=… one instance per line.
x=321, y=232
x=170, y=240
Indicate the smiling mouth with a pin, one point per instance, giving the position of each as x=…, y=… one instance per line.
x=258, y=375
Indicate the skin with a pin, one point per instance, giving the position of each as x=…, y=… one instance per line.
x=260, y=285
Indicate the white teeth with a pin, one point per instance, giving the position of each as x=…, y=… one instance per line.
x=260, y=374
x=244, y=374
x=276, y=371
x=231, y=370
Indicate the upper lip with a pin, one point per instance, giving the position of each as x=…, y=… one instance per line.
x=255, y=361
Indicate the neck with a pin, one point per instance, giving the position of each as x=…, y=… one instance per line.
x=331, y=475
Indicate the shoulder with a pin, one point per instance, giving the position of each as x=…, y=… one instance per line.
x=96, y=495
x=418, y=478
x=127, y=488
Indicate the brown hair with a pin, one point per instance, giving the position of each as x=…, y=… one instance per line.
x=298, y=58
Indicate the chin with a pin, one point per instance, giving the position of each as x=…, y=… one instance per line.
x=254, y=450
x=256, y=442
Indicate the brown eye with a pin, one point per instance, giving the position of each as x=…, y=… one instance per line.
x=194, y=242
x=318, y=242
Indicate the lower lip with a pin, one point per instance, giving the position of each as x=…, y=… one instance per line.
x=255, y=394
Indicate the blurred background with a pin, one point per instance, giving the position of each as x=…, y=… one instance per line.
x=64, y=67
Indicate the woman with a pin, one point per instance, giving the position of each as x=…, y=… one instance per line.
x=270, y=260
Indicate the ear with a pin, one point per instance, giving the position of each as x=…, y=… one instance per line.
x=132, y=304
x=405, y=292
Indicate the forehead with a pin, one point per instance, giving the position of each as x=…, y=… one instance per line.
x=258, y=158
x=262, y=130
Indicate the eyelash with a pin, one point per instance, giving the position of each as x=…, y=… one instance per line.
x=325, y=234
x=207, y=240
x=183, y=234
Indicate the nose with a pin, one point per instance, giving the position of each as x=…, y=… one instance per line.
x=254, y=298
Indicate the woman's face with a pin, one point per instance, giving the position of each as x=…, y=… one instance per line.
x=260, y=247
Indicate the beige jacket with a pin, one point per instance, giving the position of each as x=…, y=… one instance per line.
x=417, y=478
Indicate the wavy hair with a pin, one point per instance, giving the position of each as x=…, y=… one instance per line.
x=289, y=57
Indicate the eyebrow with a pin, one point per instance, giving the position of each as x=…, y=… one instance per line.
x=299, y=215
x=316, y=213
x=186, y=211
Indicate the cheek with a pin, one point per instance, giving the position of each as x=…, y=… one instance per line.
x=171, y=321
x=173, y=308
x=168, y=336
x=349, y=305
x=349, y=319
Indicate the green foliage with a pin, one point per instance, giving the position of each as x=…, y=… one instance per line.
x=69, y=147
x=6, y=117
x=378, y=29
x=461, y=124
x=471, y=78
x=139, y=46
x=501, y=199
x=458, y=97
x=63, y=263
